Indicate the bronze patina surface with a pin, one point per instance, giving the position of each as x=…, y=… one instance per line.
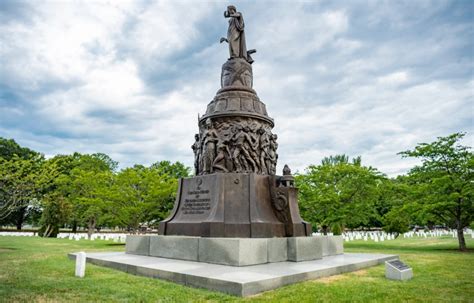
x=236, y=192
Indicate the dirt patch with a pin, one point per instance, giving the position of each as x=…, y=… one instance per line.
x=33, y=298
x=331, y=279
x=6, y=249
x=360, y=273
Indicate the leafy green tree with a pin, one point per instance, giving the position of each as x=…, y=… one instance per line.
x=17, y=168
x=90, y=183
x=338, y=193
x=54, y=183
x=443, y=183
x=163, y=188
x=9, y=148
x=56, y=212
x=393, y=207
x=18, y=187
x=143, y=195
x=79, y=183
x=173, y=170
x=129, y=194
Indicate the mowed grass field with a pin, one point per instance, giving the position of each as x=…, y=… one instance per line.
x=38, y=270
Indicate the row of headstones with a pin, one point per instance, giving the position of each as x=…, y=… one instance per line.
x=96, y=236
x=383, y=236
x=18, y=234
x=368, y=235
x=71, y=236
x=437, y=233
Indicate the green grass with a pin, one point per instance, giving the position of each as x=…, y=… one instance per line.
x=38, y=270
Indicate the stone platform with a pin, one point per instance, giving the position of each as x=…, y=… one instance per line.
x=239, y=281
x=235, y=251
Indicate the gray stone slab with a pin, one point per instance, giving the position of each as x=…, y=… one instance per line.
x=240, y=281
x=175, y=247
x=305, y=248
x=277, y=249
x=332, y=245
x=233, y=251
x=137, y=245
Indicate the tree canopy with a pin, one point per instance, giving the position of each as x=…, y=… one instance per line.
x=338, y=193
x=442, y=186
x=84, y=190
x=90, y=191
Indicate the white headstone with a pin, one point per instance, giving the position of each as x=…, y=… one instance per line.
x=81, y=264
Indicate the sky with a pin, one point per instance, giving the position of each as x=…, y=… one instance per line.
x=129, y=78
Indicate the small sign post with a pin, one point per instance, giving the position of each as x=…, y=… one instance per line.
x=397, y=270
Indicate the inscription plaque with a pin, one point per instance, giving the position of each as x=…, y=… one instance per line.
x=198, y=204
x=399, y=264
x=196, y=199
x=397, y=270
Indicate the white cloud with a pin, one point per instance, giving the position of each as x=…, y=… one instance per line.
x=129, y=78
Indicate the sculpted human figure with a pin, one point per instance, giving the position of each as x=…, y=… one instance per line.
x=264, y=146
x=255, y=146
x=272, y=156
x=208, y=147
x=241, y=141
x=235, y=33
x=236, y=36
x=197, y=153
x=219, y=163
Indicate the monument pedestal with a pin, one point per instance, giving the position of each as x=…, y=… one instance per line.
x=235, y=251
x=236, y=205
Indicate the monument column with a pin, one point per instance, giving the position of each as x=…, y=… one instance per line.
x=236, y=192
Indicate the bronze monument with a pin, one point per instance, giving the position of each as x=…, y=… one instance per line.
x=236, y=192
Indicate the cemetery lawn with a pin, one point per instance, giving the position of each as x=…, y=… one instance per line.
x=37, y=270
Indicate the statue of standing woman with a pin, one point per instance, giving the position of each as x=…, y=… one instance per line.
x=236, y=35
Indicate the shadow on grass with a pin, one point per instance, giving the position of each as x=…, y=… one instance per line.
x=5, y=249
x=426, y=248
x=115, y=244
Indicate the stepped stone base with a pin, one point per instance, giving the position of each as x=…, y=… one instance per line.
x=235, y=251
x=238, y=281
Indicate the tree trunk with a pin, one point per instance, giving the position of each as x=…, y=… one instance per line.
x=21, y=218
x=90, y=228
x=74, y=226
x=325, y=230
x=19, y=223
x=48, y=230
x=462, y=241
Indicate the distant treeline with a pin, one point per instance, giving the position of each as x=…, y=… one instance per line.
x=87, y=190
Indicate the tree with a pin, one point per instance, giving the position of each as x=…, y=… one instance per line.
x=9, y=148
x=130, y=205
x=338, y=193
x=90, y=182
x=54, y=183
x=145, y=194
x=18, y=169
x=77, y=185
x=174, y=170
x=56, y=211
x=18, y=187
x=394, y=206
x=443, y=183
